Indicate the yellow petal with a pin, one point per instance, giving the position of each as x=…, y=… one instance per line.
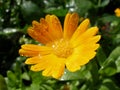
x=93, y=39
x=84, y=49
x=55, y=28
x=90, y=41
x=33, y=60
x=75, y=62
x=117, y=12
x=47, y=71
x=39, y=66
x=81, y=29
x=34, y=50
x=50, y=64
x=55, y=67
x=72, y=65
x=58, y=70
x=85, y=54
x=70, y=24
x=87, y=57
x=81, y=56
x=26, y=53
x=85, y=36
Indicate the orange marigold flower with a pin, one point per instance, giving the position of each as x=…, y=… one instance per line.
x=117, y=12
x=70, y=48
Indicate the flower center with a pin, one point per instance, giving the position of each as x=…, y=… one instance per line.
x=62, y=48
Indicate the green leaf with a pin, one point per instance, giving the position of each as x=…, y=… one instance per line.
x=57, y=11
x=103, y=3
x=110, y=67
x=83, y=6
x=31, y=11
x=116, y=39
x=83, y=73
x=101, y=57
x=3, y=85
x=108, y=84
x=47, y=87
x=115, y=53
x=109, y=18
x=25, y=76
x=36, y=77
x=11, y=79
x=117, y=62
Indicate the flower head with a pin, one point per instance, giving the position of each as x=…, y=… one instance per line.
x=70, y=47
x=117, y=12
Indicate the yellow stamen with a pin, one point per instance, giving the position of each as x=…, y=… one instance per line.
x=62, y=48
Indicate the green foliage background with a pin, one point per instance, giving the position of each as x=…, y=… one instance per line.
x=102, y=73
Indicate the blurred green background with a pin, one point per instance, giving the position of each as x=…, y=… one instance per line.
x=102, y=73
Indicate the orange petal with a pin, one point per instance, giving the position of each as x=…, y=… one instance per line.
x=81, y=29
x=45, y=29
x=55, y=28
x=40, y=31
x=35, y=24
x=70, y=24
x=37, y=36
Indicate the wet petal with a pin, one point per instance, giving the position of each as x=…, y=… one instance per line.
x=69, y=48
x=70, y=24
x=45, y=29
x=55, y=28
x=35, y=34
